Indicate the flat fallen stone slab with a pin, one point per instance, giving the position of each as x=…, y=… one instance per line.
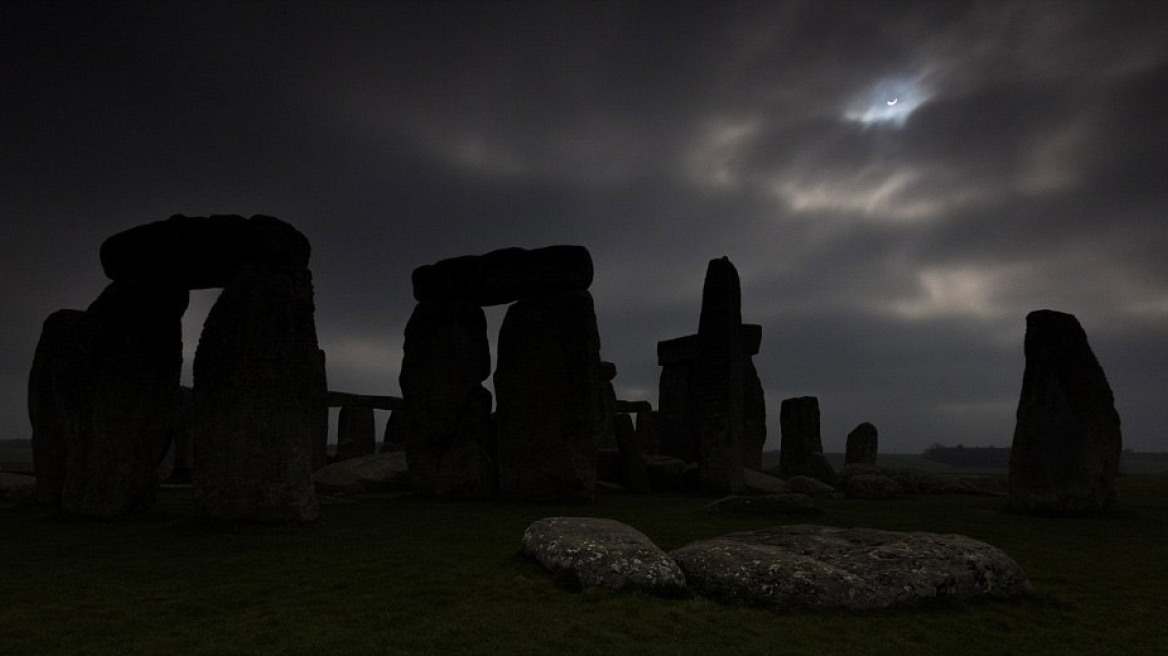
x=372, y=473
x=822, y=567
x=598, y=552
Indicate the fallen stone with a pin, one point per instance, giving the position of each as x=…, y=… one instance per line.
x=1067, y=440
x=786, y=503
x=597, y=552
x=809, y=486
x=664, y=472
x=382, y=472
x=14, y=487
x=821, y=567
x=760, y=483
x=872, y=486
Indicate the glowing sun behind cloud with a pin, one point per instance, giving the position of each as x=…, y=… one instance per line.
x=889, y=101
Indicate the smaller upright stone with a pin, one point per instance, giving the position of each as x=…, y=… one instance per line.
x=862, y=444
x=632, y=463
x=1067, y=439
x=801, y=447
x=356, y=433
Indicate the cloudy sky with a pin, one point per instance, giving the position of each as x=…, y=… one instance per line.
x=898, y=184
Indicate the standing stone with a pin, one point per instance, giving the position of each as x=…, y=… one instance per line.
x=447, y=417
x=862, y=445
x=1067, y=439
x=51, y=403
x=677, y=433
x=648, y=437
x=320, y=423
x=258, y=385
x=720, y=380
x=181, y=440
x=121, y=386
x=356, y=433
x=548, y=408
x=801, y=451
x=632, y=464
x=754, y=429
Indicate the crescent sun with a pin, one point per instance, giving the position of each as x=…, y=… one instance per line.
x=892, y=102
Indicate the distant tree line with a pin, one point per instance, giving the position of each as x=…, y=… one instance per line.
x=969, y=456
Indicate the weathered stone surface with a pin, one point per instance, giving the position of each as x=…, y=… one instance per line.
x=598, y=552
x=446, y=421
x=632, y=465
x=760, y=483
x=719, y=380
x=202, y=252
x=861, y=445
x=872, y=486
x=767, y=505
x=809, y=486
x=820, y=567
x=754, y=429
x=1067, y=437
x=381, y=472
x=801, y=447
x=51, y=403
x=345, y=399
x=259, y=386
x=356, y=432
x=548, y=408
x=505, y=275
x=118, y=388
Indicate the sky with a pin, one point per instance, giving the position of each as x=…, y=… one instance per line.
x=897, y=183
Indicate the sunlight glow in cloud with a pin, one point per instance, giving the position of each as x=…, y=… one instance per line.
x=964, y=291
x=889, y=101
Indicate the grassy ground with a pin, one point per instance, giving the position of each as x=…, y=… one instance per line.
x=394, y=574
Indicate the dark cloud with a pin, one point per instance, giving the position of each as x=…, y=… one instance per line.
x=890, y=252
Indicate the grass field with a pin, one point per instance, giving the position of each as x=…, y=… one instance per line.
x=395, y=574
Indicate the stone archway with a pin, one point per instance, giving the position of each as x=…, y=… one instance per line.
x=104, y=387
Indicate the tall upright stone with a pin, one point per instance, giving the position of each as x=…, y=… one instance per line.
x=801, y=451
x=356, y=432
x=719, y=380
x=1067, y=438
x=52, y=403
x=259, y=386
x=861, y=445
x=549, y=410
x=118, y=389
x=446, y=421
